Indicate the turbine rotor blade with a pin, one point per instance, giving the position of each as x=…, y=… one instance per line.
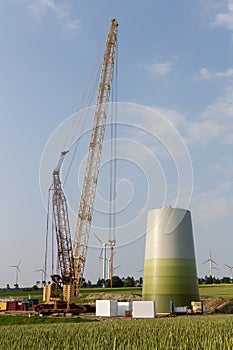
x=230, y=267
x=97, y=238
x=206, y=261
x=101, y=254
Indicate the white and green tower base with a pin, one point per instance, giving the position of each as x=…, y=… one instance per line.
x=170, y=266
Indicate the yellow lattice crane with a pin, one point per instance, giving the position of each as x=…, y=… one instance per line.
x=86, y=206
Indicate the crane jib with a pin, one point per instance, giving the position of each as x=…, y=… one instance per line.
x=85, y=212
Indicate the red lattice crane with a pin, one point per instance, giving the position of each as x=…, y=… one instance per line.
x=72, y=258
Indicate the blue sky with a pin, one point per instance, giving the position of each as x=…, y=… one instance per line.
x=175, y=57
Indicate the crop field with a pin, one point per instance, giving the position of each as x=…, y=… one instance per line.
x=216, y=290
x=84, y=292
x=180, y=333
x=210, y=290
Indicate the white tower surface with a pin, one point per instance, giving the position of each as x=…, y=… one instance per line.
x=170, y=266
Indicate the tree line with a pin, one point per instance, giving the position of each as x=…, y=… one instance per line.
x=116, y=282
x=214, y=280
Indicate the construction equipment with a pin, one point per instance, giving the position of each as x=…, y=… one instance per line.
x=72, y=257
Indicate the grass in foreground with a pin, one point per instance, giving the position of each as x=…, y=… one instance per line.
x=181, y=333
x=25, y=320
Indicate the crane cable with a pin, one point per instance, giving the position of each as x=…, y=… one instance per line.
x=113, y=155
x=46, y=236
x=73, y=130
x=86, y=99
x=84, y=102
x=81, y=125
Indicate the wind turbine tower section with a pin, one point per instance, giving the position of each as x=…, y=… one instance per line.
x=170, y=267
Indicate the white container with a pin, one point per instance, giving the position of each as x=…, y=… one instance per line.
x=124, y=306
x=143, y=309
x=107, y=308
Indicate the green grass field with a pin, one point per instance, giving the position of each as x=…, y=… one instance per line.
x=216, y=290
x=25, y=320
x=21, y=294
x=84, y=292
x=211, y=290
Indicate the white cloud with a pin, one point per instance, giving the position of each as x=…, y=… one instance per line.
x=230, y=5
x=204, y=132
x=72, y=25
x=161, y=68
x=225, y=169
x=204, y=73
x=38, y=8
x=50, y=3
x=222, y=109
x=157, y=69
x=215, y=123
x=212, y=206
x=225, y=19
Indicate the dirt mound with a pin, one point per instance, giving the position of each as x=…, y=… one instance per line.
x=218, y=304
x=113, y=296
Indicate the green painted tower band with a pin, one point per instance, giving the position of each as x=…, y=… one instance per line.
x=170, y=267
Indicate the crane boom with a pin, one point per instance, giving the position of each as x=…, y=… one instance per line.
x=85, y=211
x=61, y=220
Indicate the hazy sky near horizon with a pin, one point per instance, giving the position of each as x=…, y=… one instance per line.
x=175, y=57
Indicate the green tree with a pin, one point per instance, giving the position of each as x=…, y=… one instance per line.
x=116, y=282
x=209, y=280
x=84, y=283
x=226, y=280
x=129, y=282
x=89, y=284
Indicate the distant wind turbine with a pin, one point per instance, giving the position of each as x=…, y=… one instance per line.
x=231, y=270
x=43, y=274
x=211, y=262
x=104, y=258
x=17, y=270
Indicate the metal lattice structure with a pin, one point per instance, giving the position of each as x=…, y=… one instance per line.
x=86, y=206
x=61, y=221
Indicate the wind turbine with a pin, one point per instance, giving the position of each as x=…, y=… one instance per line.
x=104, y=258
x=43, y=274
x=231, y=270
x=211, y=262
x=111, y=243
x=117, y=267
x=17, y=270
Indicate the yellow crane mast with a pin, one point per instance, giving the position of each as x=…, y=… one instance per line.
x=85, y=212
